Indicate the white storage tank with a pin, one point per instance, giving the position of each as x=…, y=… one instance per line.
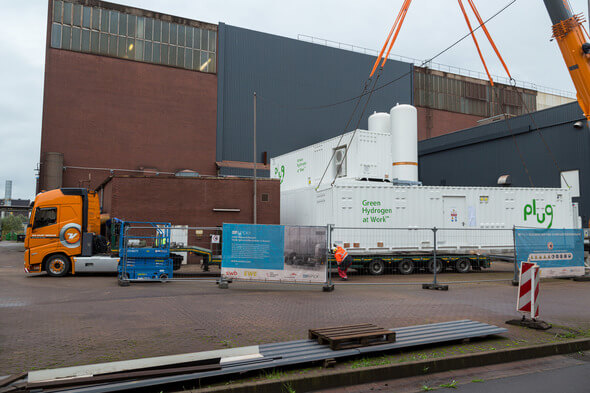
x=404, y=142
x=380, y=122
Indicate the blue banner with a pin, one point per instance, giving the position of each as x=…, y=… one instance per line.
x=558, y=252
x=274, y=253
x=248, y=246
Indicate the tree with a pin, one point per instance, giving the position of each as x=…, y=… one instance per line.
x=13, y=223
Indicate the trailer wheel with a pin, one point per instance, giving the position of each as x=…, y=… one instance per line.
x=406, y=266
x=439, y=266
x=376, y=267
x=58, y=266
x=463, y=265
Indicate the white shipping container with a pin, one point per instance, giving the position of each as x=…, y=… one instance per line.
x=369, y=156
x=367, y=209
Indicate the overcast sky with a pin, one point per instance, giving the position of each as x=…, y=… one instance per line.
x=522, y=34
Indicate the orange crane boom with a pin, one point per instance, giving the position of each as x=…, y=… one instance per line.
x=571, y=37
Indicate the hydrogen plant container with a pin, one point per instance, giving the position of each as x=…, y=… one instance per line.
x=374, y=188
x=368, y=157
x=364, y=213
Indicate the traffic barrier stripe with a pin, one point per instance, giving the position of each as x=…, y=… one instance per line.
x=528, y=290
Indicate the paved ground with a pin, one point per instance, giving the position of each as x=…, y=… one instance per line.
x=563, y=374
x=54, y=322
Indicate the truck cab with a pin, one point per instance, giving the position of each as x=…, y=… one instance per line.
x=63, y=225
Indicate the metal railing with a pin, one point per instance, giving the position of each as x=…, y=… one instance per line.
x=464, y=255
x=437, y=66
x=187, y=253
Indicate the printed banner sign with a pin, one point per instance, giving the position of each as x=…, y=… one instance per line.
x=558, y=252
x=274, y=253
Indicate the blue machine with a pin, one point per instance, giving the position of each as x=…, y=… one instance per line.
x=144, y=251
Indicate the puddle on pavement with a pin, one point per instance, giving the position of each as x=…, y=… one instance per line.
x=6, y=303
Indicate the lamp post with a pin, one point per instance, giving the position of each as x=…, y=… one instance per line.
x=254, y=159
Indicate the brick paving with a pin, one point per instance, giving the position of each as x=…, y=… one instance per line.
x=55, y=322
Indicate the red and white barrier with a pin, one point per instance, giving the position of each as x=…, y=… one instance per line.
x=528, y=290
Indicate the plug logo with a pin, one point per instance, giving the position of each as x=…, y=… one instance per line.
x=545, y=214
x=280, y=173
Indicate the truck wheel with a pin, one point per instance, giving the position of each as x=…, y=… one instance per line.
x=376, y=267
x=406, y=266
x=57, y=266
x=463, y=265
x=439, y=266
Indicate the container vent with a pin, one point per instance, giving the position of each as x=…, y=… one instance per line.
x=340, y=161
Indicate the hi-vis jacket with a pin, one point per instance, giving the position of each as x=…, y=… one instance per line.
x=340, y=254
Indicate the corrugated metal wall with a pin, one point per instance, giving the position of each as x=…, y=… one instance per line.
x=478, y=156
x=461, y=94
x=289, y=74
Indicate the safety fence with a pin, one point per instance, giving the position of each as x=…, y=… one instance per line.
x=430, y=257
x=407, y=256
x=164, y=252
x=196, y=251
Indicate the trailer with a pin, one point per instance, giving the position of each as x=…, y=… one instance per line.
x=409, y=263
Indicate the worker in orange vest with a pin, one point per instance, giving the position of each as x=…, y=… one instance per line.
x=343, y=260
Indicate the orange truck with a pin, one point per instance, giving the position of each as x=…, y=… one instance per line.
x=63, y=234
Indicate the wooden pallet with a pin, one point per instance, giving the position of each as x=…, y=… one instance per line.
x=352, y=336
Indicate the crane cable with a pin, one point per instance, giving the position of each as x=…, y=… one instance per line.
x=521, y=156
x=342, y=135
x=374, y=88
x=396, y=27
x=353, y=133
x=386, y=84
x=540, y=133
x=513, y=85
x=500, y=101
x=404, y=11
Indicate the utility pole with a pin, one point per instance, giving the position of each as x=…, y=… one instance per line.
x=254, y=159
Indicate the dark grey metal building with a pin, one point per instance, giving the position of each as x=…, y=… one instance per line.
x=478, y=156
x=289, y=76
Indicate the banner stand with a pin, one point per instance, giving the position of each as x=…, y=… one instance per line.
x=222, y=283
x=329, y=286
x=586, y=276
x=276, y=254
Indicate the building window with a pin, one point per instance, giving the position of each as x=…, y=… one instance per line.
x=265, y=198
x=100, y=31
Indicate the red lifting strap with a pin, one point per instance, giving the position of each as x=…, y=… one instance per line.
x=475, y=41
x=403, y=11
x=485, y=29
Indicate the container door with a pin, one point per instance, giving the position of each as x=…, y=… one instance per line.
x=454, y=219
x=455, y=215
